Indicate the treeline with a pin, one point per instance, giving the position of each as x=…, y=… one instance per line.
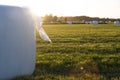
x=75, y=19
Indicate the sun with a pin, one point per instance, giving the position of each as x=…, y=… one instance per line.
x=38, y=8
x=41, y=8
x=37, y=12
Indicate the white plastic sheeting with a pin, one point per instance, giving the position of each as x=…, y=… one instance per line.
x=42, y=32
x=17, y=42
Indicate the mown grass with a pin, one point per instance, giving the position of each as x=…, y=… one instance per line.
x=78, y=52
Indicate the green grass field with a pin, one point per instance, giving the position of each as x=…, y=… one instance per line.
x=78, y=52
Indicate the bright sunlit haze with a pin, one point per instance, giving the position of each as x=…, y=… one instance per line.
x=92, y=8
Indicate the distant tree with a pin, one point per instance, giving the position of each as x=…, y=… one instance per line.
x=63, y=19
x=48, y=18
x=54, y=19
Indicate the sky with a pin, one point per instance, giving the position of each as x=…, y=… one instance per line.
x=92, y=8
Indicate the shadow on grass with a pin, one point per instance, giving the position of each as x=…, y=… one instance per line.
x=71, y=69
x=75, y=67
x=109, y=67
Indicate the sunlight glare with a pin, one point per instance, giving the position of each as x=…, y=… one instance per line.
x=36, y=12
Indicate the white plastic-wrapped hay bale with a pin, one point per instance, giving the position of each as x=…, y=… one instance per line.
x=90, y=22
x=116, y=23
x=17, y=43
x=95, y=22
x=87, y=22
x=69, y=22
